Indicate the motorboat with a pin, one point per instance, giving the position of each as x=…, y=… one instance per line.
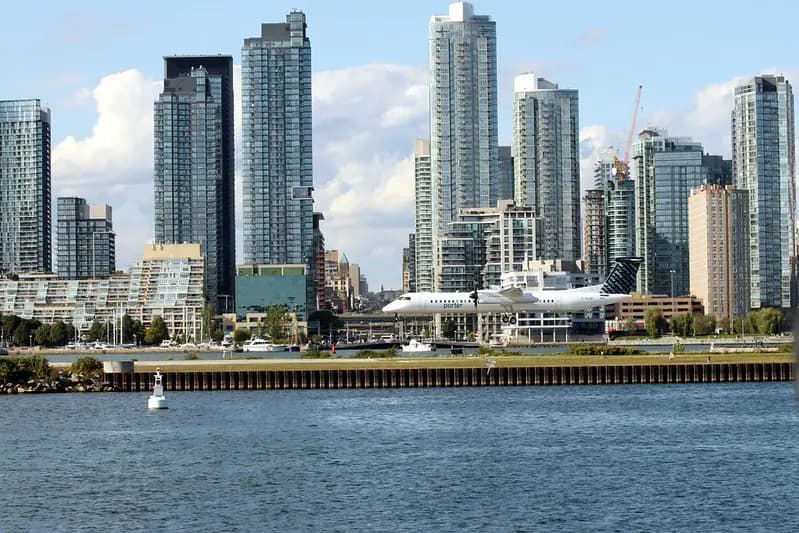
x=416, y=346
x=157, y=400
x=262, y=345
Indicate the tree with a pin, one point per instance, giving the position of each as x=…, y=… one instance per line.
x=87, y=367
x=138, y=332
x=631, y=326
x=97, y=332
x=157, y=332
x=704, y=324
x=59, y=334
x=723, y=324
x=208, y=321
x=681, y=324
x=241, y=335
x=276, y=323
x=127, y=329
x=655, y=323
x=42, y=335
x=448, y=329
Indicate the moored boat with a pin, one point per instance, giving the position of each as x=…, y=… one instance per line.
x=416, y=346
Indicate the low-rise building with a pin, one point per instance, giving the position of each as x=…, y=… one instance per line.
x=167, y=282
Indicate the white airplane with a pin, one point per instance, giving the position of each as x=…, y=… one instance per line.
x=616, y=288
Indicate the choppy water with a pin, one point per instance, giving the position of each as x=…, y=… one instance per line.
x=721, y=457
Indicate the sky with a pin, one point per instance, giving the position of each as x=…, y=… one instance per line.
x=98, y=65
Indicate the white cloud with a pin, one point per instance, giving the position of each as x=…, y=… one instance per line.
x=114, y=164
x=365, y=121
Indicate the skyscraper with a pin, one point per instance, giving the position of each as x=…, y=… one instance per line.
x=423, y=183
x=595, y=234
x=546, y=138
x=665, y=170
x=276, y=146
x=763, y=154
x=718, y=239
x=194, y=165
x=619, y=210
x=463, y=117
x=86, y=246
x=25, y=226
x=505, y=181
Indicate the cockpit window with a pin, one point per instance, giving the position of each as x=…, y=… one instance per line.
x=408, y=298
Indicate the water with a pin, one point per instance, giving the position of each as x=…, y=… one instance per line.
x=720, y=457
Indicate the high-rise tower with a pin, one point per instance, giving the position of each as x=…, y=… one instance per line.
x=25, y=227
x=546, y=137
x=86, y=242
x=464, y=153
x=423, y=250
x=665, y=170
x=763, y=155
x=194, y=166
x=276, y=146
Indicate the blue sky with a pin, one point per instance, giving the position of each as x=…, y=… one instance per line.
x=98, y=65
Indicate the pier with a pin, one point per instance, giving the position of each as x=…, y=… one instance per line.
x=469, y=374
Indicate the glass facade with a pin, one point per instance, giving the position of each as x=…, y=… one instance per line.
x=25, y=204
x=423, y=250
x=595, y=233
x=276, y=146
x=194, y=169
x=764, y=164
x=505, y=185
x=665, y=170
x=464, y=154
x=546, y=138
x=86, y=245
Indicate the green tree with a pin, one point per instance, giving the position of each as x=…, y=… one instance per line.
x=630, y=323
x=276, y=323
x=59, y=334
x=87, y=367
x=138, y=332
x=723, y=324
x=448, y=329
x=681, y=324
x=241, y=335
x=655, y=323
x=127, y=329
x=97, y=332
x=767, y=321
x=207, y=321
x=157, y=332
x=41, y=336
x=704, y=324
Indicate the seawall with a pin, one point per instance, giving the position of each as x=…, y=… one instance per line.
x=449, y=376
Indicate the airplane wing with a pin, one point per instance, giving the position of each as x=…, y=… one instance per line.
x=513, y=293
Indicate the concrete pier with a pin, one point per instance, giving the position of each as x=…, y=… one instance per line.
x=467, y=376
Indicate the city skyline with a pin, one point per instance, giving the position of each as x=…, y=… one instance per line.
x=102, y=106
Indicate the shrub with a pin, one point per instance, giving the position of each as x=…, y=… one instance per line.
x=191, y=356
x=314, y=353
x=601, y=349
x=22, y=369
x=87, y=367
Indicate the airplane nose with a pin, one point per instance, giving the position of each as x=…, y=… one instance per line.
x=390, y=308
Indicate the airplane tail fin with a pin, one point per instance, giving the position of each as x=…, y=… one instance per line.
x=621, y=279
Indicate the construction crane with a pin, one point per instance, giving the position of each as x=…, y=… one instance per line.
x=621, y=167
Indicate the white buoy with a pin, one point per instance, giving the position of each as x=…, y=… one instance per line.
x=157, y=400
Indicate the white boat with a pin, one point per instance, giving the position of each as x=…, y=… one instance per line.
x=262, y=345
x=415, y=346
x=157, y=400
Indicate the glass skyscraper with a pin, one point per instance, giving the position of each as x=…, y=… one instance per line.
x=276, y=146
x=505, y=181
x=463, y=119
x=665, y=170
x=25, y=205
x=194, y=166
x=86, y=245
x=423, y=250
x=764, y=164
x=546, y=137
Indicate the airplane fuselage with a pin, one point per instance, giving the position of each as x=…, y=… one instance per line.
x=489, y=301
